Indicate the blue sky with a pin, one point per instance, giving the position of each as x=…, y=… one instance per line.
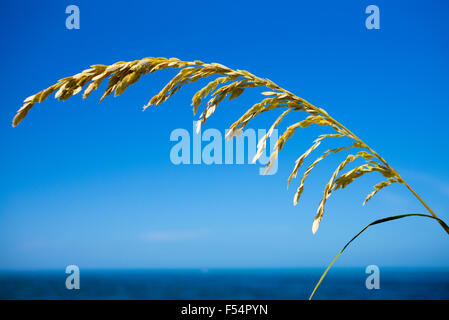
x=92, y=184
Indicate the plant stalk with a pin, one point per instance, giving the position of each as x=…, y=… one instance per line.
x=366, y=227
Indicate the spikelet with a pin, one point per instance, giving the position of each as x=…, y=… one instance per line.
x=309, y=169
x=261, y=145
x=300, y=160
x=314, y=119
x=328, y=191
x=378, y=187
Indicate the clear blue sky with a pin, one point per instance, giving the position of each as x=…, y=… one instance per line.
x=92, y=184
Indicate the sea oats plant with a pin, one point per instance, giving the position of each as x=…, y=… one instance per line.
x=232, y=83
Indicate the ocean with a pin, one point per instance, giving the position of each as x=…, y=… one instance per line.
x=234, y=284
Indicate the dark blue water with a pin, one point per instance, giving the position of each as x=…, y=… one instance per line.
x=347, y=283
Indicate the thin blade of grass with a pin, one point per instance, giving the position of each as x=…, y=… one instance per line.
x=366, y=227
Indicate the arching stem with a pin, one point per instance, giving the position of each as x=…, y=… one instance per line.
x=366, y=227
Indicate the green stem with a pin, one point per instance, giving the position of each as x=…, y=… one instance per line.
x=366, y=227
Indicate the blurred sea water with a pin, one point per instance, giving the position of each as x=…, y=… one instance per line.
x=289, y=284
